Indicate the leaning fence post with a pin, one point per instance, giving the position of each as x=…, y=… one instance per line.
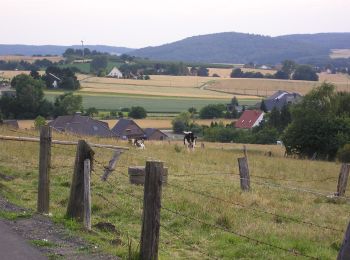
x=343, y=179
x=244, y=173
x=87, y=195
x=151, y=210
x=75, y=207
x=112, y=164
x=44, y=170
x=344, y=252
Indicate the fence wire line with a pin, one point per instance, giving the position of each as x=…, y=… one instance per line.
x=253, y=176
x=208, y=195
x=290, y=251
x=221, y=228
x=191, y=245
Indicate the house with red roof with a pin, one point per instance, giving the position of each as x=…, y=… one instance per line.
x=250, y=119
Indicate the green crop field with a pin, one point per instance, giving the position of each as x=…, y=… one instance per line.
x=150, y=103
x=204, y=214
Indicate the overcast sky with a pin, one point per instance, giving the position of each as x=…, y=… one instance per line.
x=141, y=23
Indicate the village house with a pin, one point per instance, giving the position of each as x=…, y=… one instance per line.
x=279, y=99
x=128, y=129
x=115, y=73
x=81, y=125
x=155, y=134
x=250, y=119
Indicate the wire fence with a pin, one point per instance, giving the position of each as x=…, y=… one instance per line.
x=177, y=181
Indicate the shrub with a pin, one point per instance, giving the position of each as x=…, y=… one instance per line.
x=344, y=154
x=39, y=121
x=138, y=112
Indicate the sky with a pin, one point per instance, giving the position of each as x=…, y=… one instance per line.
x=141, y=23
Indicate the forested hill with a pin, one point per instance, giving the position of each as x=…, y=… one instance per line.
x=231, y=47
x=20, y=49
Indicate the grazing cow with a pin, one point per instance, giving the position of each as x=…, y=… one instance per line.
x=190, y=140
x=139, y=143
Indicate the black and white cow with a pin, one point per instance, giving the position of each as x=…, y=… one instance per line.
x=190, y=140
x=139, y=143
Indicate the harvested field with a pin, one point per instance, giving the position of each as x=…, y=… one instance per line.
x=225, y=73
x=266, y=87
x=29, y=59
x=340, y=53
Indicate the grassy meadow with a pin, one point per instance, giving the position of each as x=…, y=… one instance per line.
x=217, y=220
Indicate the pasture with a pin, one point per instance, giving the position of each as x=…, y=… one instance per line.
x=204, y=213
x=106, y=101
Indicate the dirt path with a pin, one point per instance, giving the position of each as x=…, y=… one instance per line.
x=37, y=237
x=14, y=247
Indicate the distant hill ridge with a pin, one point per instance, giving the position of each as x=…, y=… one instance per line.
x=232, y=47
x=22, y=49
x=226, y=47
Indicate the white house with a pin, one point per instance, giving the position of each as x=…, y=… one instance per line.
x=115, y=73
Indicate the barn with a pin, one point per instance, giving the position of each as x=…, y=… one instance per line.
x=128, y=129
x=155, y=134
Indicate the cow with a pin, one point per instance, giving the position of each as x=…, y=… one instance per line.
x=190, y=140
x=139, y=143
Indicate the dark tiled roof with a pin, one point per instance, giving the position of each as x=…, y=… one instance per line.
x=248, y=118
x=279, y=99
x=121, y=127
x=82, y=125
x=151, y=131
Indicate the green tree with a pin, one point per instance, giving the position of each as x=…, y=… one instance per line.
x=274, y=118
x=234, y=101
x=34, y=74
x=29, y=95
x=317, y=125
x=68, y=104
x=237, y=73
x=92, y=111
x=137, y=112
x=288, y=67
x=181, y=122
x=212, y=111
x=98, y=63
x=263, y=106
x=305, y=72
x=39, y=121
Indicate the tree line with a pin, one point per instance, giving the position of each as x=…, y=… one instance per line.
x=289, y=70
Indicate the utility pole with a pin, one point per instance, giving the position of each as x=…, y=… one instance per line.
x=82, y=46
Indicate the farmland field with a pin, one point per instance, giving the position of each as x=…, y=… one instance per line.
x=204, y=213
x=225, y=73
x=266, y=87
x=107, y=101
x=340, y=53
x=29, y=59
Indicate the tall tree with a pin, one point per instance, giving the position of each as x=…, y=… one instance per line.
x=263, y=106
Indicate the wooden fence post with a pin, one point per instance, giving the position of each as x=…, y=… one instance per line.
x=151, y=210
x=344, y=252
x=44, y=170
x=111, y=165
x=343, y=179
x=75, y=207
x=244, y=173
x=87, y=195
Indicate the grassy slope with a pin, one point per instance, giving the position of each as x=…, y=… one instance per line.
x=188, y=239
